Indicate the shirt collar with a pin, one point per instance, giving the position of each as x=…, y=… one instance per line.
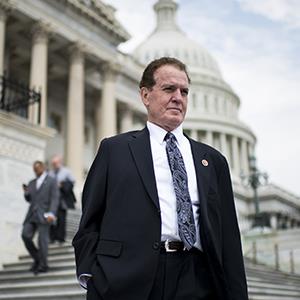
x=158, y=133
x=42, y=177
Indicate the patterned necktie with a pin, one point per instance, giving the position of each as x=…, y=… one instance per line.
x=185, y=217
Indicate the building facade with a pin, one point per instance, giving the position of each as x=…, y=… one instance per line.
x=65, y=86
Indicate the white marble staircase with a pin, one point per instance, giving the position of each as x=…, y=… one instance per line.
x=17, y=283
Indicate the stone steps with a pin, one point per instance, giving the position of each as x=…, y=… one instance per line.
x=52, y=268
x=259, y=280
x=273, y=276
x=49, y=295
x=266, y=295
x=60, y=283
x=28, y=276
x=51, y=260
x=267, y=272
x=39, y=287
x=56, y=253
x=274, y=288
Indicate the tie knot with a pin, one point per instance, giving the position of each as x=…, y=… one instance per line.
x=170, y=137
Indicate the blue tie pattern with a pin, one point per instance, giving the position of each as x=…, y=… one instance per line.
x=185, y=217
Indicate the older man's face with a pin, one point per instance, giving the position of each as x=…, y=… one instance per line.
x=166, y=101
x=56, y=162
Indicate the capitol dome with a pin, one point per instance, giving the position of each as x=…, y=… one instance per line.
x=213, y=107
x=168, y=40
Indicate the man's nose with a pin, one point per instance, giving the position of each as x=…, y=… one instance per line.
x=177, y=96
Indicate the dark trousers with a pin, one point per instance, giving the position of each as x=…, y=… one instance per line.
x=39, y=254
x=58, y=231
x=182, y=276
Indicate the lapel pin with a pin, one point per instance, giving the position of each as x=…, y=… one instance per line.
x=204, y=162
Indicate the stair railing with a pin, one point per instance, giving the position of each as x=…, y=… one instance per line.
x=279, y=259
x=16, y=97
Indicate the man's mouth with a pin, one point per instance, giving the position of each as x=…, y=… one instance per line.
x=174, y=108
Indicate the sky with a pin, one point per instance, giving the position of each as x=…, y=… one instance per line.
x=257, y=46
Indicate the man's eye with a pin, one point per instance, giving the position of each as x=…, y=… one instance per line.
x=184, y=92
x=169, y=89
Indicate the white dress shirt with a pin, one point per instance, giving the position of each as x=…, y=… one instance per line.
x=40, y=180
x=62, y=174
x=165, y=188
x=164, y=182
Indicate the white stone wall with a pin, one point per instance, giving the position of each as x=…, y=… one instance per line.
x=20, y=145
x=13, y=206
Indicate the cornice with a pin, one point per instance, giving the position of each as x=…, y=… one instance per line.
x=18, y=123
x=6, y=5
x=101, y=14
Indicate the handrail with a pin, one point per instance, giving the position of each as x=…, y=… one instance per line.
x=272, y=258
x=16, y=97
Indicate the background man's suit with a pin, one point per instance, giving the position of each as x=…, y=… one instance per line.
x=42, y=200
x=65, y=182
x=118, y=240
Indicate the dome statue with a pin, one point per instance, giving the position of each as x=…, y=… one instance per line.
x=212, y=115
x=169, y=40
x=213, y=107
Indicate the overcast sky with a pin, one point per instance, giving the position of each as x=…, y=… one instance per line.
x=257, y=45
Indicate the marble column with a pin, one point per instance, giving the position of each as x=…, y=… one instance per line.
x=273, y=221
x=194, y=134
x=211, y=104
x=217, y=141
x=224, y=107
x=223, y=141
x=107, y=120
x=236, y=156
x=244, y=157
x=3, y=17
x=126, y=119
x=251, y=149
x=209, y=138
x=75, y=113
x=38, y=72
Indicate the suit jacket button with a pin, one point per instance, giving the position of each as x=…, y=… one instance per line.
x=156, y=245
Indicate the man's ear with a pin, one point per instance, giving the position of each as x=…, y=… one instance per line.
x=144, y=92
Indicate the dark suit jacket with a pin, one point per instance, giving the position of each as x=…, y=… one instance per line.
x=43, y=200
x=120, y=230
x=67, y=195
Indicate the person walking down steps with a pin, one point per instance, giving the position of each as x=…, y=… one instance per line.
x=42, y=194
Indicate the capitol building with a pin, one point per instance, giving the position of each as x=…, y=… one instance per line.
x=65, y=85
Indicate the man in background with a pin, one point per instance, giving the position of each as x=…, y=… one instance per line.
x=65, y=182
x=42, y=194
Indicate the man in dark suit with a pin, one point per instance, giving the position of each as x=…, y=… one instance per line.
x=65, y=182
x=43, y=195
x=158, y=216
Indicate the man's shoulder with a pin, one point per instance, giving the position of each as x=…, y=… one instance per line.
x=32, y=181
x=66, y=172
x=205, y=147
x=209, y=151
x=50, y=179
x=123, y=137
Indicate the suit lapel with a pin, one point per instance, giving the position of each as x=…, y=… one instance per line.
x=202, y=173
x=141, y=151
x=203, y=166
x=34, y=189
x=42, y=185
